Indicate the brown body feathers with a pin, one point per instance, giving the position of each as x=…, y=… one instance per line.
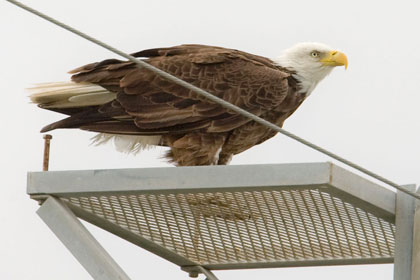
x=198, y=131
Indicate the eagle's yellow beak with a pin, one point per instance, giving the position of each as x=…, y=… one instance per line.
x=335, y=58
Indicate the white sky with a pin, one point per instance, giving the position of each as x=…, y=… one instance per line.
x=368, y=114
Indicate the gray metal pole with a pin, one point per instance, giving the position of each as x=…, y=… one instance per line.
x=404, y=220
x=79, y=241
x=415, y=272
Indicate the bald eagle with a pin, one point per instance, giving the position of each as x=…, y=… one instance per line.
x=137, y=108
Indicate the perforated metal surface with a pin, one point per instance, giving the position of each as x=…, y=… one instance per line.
x=225, y=217
x=253, y=226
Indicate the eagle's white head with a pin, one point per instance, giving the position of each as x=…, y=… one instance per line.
x=312, y=62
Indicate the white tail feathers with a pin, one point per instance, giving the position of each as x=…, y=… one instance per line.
x=69, y=95
x=129, y=144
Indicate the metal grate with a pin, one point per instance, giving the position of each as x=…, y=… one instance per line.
x=255, y=226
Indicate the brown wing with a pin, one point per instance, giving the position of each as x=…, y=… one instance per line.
x=149, y=104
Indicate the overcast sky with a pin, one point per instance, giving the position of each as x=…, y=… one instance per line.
x=368, y=114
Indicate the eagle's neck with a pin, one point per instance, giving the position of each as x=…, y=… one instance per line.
x=308, y=76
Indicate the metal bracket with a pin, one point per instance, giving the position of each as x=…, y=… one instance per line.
x=208, y=273
x=193, y=272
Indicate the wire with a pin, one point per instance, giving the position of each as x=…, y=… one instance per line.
x=216, y=99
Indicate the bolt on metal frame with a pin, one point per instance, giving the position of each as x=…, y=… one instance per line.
x=232, y=217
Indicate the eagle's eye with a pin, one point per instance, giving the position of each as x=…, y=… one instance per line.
x=314, y=54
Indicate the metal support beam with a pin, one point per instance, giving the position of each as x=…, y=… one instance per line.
x=79, y=241
x=208, y=273
x=404, y=220
x=415, y=272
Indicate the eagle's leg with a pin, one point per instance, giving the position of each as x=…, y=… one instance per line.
x=195, y=148
x=224, y=158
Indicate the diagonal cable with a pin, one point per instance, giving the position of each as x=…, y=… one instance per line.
x=216, y=99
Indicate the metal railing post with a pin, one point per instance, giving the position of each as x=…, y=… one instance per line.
x=404, y=221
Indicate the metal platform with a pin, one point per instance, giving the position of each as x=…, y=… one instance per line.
x=231, y=217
